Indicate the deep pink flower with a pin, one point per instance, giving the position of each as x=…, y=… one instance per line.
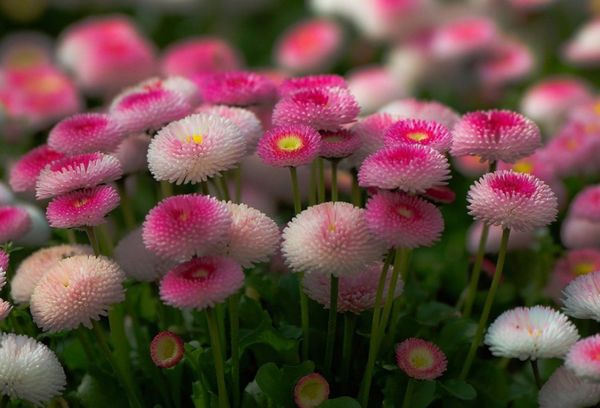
x=199, y=55
x=238, y=88
x=289, y=146
x=584, y=358
x=415, y=131
x=295, y=84
x=339, y=143
x=463, y=37
x=85, y=133
x=80, y=208
x=26, y=170
x=14, y=223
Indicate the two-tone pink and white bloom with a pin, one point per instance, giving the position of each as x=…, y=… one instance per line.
x=244, y=119
x=85, y=133
x=583, y=48
x=581, y=297
x=571, y=265
x=416, y=131
x=583, y=358
x=289, y=146
x=564, y=389
x=14, y=223
x=24, y=173
x=166, y=349
x=238, y=88
x=339, y=143
x=371, y=132
x=421, y=359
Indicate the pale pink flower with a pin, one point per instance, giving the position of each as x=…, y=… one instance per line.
x=166, y=349
x=583, y=358
x=463, y=37
x=421, y=359
x=14, y=223
x=199, y=55
x=415, y=131
x=237, y=88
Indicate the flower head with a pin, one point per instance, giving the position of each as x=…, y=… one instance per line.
x=572, y=264
x=244, y=119
x=311, y=391
x=295, y=84
x=423, y=110
x=75, y=291
x=513, y=200
x=374, y=86
x=195, y=148
x=201, y=283
x=573, y=150
x=289, y=146
x=583, y=48
x=566, y=390
x=461, y=38
x=86, y=207
x=531, y=333
x=3, y=267
x=72, y=173
x=582, y=296
x=586, y=204
x=331, y=239
x=199, y=55
x=421, y=359
x=416, y=131
x=183, y=226
x=580, y=233
x=238, y=88
x=30, y=370
x=85, y=133
x=440, y=194
x=26, y=170
x=14, y=223
x=339, y=143
x=371, y=132
x=507, y=60
x=409, y=167
x=166, y=349
x=583, y=358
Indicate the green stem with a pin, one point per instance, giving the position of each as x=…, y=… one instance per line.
x=204, y=188
x=536, y=373
x=321, y=181
x=166, y=189
x=220, y=314
x=85, y=343
x=126, y=206
x=333, y=296
x=400, y=264
x=105, y=240
x=487, y=306
x=224, y=187
x=296, y=191
x=475, y=274
x=356, y=195
x=234, y=325
x=71, y=236
x=304, y=318
x=408, y=393
x=349, y=325
x=312, y=186
x=334, y=182
x=237, y=175
x=91, y=234
x=215, y=342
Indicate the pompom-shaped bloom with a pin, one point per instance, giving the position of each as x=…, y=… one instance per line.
x=238, y=88
x=195, y=148
x=14, y=223
x=311, y=391
x=463, y=37
x=531, y=333
x=586, y=204
x=199, y=55
x=574, y=263
x=310, y=46
x=421, y=359
x=71, y=173
x=132, y=153
x=415, y=131
x=31, y=270
x=338, y=144
x=583, y=358
x=253, y=236
x=371, y=132
x=331, y=239
x=325, y=108
x=573, y=150
x=29, y=370
x=566, y=390
x=137, y=261
x=506, y=61
x=513, y=200
x=85, y=133
x=402, y=220
x=26, y=170
x=289, y=146
x=183, y=226
x=5, y=308
x=76, y=291
x=495, y=135
x=423, y=110
x=166, y=349
x=582, y=296
x=583, y=48
x=356, y=292
x=86, y=207
x=292, y=85
x=408, y=167
x=201, y=283
x=580, y=233
x=244, y=119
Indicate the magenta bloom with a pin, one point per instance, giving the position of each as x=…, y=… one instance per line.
x=85, y=133
x=239, y=88
x=584, y=358
x=580, y=233
x=72, y=173
x=371, y=132
x=295, y=84
x=14, y=223
x=311, y=391
x=587, y=204
x=409, y=167
x=573, y=150
x=183, y=226
x=513, y=200
x=423, y=110
x=25, y=172
x=338, y=144
x=414, y=131
x=421, y=359
x=199, y=55
x=464, y=37
x=289, y=146
x=324, y=108
x=4, y=260
x=166, y=349
x=309, y=46
x=402, y=220
x=201, y=283
x=495, y=135
x=244, y=119
x=79, y=208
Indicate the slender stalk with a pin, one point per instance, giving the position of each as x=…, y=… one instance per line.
x=71, y=236
x=400, y=264
x=85, y=343
x=536, y=373
x=204, y=188
x=356, y=195
x=215, y=342
x=334, y=182
x=166, y=189
x=224, y=187
x=91, y=234
x=349, y=325
x=331, y=326
x=296, y=190
x=105, y=240
x=304, y=319
x=126, y=206
x=408, y=393
x=476, y=273
x=321, y=181
x=237, y=175
x=220, y=314
x=487, y=307
x=234, y=326
x=312, y=186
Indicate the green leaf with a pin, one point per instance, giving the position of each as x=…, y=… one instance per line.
x=459, y=389
x=278, y=384
x=342, y=402
x=99, y=391
x=423, y=394
x=266, y=334
x=432, y=313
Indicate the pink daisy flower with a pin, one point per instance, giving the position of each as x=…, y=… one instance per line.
x=132, y=153
x=199, y=55
x=574, y=263
x=566, y=390
x=166, y=349
x=374, y=86
x=85, y=133
x=424, y=110
x=583, y=358
x=303, y=83
x=310, y=46
x=371, y=132
x=402, y=220
x=201, y=283
x=464, y=37
x=26, y=170
x=321, y=108
x=573, y=151
x=195, y=148
x=182, y=86
x=513, y=200
x=183, y=226
x=5, y=308
x=415, y=131
x=311, y=391
x=506, y=61
x=339, y=143
x=14, y=223
x=518, y=240
x=580, y=233
x=238, y=88
x=76, y=291
x=80, y=208
x=356, y=292
x=421, y=359
x=581, y=297
x=409, y=167
x=586, y=204
x=244, y=119
x=31, y=270
x=583, y=48
x=330, y=239
x=495, y=135
x=289, y=146
x=71, y=173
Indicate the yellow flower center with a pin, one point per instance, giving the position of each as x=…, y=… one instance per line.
x=523, y=166
x=418, y=136
x=199, y=273
x=166, y=349
x=312, y=390
x=405, y=212
x=290, y=143
x=80, y=203
x=597, y=108
x=331, y=227
x=584, y=268
x=420, y=359
x=195, y=138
